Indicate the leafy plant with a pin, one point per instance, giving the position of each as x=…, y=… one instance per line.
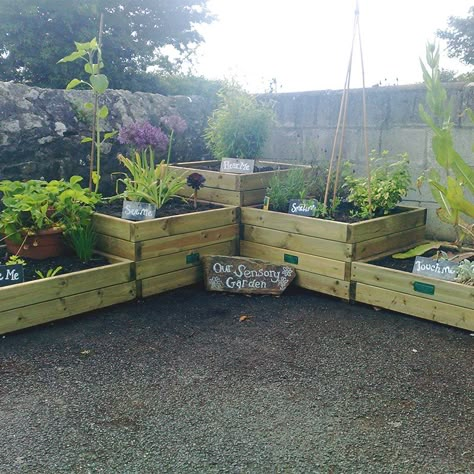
x=50, y=273
x=389, y=183
x=448, y=190
x=239, y=126
x=15, y=260
x=465, y=273
x=283, y=187
x=145, y=180
x=82, y=240
x=91, y=54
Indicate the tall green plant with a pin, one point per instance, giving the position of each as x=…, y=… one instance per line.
x=457, y=176
x=98, y=83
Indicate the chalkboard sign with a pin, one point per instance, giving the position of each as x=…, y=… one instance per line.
x=440, y=269
x=237, y=165
x=303, y=207
x=11, y=274
x=245, y=275
x=138, y=211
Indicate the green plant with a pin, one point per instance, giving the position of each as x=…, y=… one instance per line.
x=82, y=240
x=50, y=273
x=389, y=183
x=283, y=187
x=15, y=260
x=239, y=126
x=98, y=83
x=36, y=205
x=447, y=190
x=465, y=273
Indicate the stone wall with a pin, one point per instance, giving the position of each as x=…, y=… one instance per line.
x=307, y=124
x=41, y=130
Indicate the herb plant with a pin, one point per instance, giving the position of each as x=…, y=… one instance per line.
x=50, y=273
x=389, y=183
x=283, y=187
x=465, y=273
x=15, y=260
x=239, y=126
x=82, y=240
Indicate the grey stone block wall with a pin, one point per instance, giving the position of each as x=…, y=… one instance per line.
x=41, y=129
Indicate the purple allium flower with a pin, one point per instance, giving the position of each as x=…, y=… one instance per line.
x=195, y=180
x=143, y=134
x=175, y=123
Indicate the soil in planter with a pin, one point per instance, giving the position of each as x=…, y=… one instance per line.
x=70, y=264
x=171, y=208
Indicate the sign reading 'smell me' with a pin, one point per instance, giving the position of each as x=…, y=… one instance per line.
x=245, y=275
x=440, y=269
x=11, y=274
x=138, y=211
x=237, y=165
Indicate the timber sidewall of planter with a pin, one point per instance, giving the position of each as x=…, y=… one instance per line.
x=41, y=301
x=166, y=251
x=322, y=250
x=444, y=302
x=232, y=188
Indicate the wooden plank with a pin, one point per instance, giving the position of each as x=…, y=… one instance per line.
x=386, y=225
x=322, y=284
x=379, y=245
x=250, y=198
x=59, y=308
x=221, y=196
x=311, y=263
x=309, y=226
x=177, y=261
x=420, y=307
x=170, y=281
x=114, y=226
x=177, y=243
x=184, y=223
x=61, y=286
x=299, y=243
x=402, y=282
x=116, y=246
x=214, y=178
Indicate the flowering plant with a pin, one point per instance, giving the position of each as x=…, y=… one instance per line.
x=147, y=181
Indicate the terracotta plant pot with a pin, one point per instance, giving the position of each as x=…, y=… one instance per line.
x=46, y=243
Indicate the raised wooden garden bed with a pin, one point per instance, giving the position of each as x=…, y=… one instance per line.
x=232, y=188
x=41, y=301
x=322, y=250
x=167, y=250
x=444, y=302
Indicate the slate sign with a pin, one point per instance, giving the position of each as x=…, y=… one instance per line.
x=138, y=211
x=440, y=269
x=237, y=165
x=245, y=275
x=303, y=207
x=11, y=274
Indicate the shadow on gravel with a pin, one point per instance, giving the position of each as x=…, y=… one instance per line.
x=190, y=381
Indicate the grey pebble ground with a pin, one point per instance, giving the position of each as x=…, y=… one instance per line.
x=177, y=383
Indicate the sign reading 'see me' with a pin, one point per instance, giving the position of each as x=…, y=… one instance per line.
x=237, y=165
x=138, y=211
x=11, y=274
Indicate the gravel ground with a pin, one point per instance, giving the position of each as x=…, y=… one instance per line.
x=178, y=383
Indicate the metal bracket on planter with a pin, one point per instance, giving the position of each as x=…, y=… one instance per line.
x=290, y=259
x=425, y=288
x=192, y=258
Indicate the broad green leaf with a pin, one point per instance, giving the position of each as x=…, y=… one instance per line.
x=92, y=68
x=103, y=112
x=99, y=83
x=420, y=250
x=72, y=57
x=86, y=140
x=73, y=83
x=75, y=179
x=86, y=46
x=110, y=134
x=95, y=177
x=88, y=105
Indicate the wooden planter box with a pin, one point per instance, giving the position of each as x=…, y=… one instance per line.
x=232, y=188
x=41, y=301
x=322, y=250
x=441, y=301
x=167, y=250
